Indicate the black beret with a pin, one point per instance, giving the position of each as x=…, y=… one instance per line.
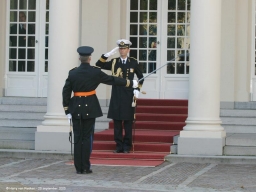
x=85, y=50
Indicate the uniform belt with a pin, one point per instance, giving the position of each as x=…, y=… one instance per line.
x=85, y=93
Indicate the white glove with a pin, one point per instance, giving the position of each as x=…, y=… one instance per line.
x=135, y=84
x=112, y=52
x=69, y=116
x=136, y=93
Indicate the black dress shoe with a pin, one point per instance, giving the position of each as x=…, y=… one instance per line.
x=87, y=171
x=79, y=172
x=126, y=151
x=117, y=151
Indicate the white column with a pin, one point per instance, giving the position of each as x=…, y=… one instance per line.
x=63, y=43
x=203, y=134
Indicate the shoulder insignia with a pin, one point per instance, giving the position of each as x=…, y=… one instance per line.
x=133, y=58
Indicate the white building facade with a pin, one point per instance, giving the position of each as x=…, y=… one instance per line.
x=218, y=35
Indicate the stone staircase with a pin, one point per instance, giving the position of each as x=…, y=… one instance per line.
x=19, y=117
x=240, y=125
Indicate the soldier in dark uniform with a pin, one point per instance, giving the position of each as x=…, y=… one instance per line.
x=121, y=109
x=84, y=107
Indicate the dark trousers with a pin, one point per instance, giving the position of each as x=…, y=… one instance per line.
x=83, y=139
x=123, y=143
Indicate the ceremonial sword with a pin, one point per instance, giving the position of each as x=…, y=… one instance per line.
x=134, y=104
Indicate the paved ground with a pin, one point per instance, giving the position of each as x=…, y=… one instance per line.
x=56, y=175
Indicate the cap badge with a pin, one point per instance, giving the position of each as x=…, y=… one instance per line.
x=121, y=43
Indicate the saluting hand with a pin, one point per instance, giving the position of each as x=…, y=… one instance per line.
x=112, y=52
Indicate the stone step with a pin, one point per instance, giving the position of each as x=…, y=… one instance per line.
x=245, y=105
x=23, y=101
x=239, y=151
x=242, y=139
x=17, y=144
x=240, y=128
x=22, y=115
x=238, y=121
x=237, y=113
x=20, y=123
x=23, y=108
x=19, y=133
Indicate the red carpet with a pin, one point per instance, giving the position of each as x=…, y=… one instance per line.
x=157, y=122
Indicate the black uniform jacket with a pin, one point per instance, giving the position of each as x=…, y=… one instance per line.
x=86, y=78
x=122, y=97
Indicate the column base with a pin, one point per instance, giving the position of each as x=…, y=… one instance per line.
x=52, y=138
x=211, y=145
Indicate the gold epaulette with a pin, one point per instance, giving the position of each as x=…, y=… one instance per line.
x=103, y=60
x=133, y=58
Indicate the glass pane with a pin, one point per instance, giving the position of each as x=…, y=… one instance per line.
x=152, y=17
x=22, y=16
x=21, y=53
x=143, y=4
x=13, y=28
x=143, y=67
x=46, y=41
x=21, y=66
x=46, y=66
x=143, y=17
x=47, y=29
x=12, y=65
x=171, y=68
x=13, y=41
x=143, y=29
x=188, y=4
x=170, y=42
x=143, y=42
x=47, y=16
x=31, y=41
x=23, y=4
x=31, y=66
x=142, y=55
x=31, y=53
x=46, y=54
x=171, y=17
x=13, y=16
x=187, y=68
x=31, y=28
x=133, y=29
x=133, y=53
x=47, y=4
x=32, y=4
x=180, y=68
x=14, y=4
x=152, y=42
x=181, y=4
x=180, y=42
x=181, y=17
x=152, y=30
x=12, y=53
x=152, y=55
x=31, y=16
x=134, y=17
x=134, y=5
x=151, y=67
x=22, y=41
x=171, y=30
x=153, y=5
x=188, y=17
x=134, y=42
x=170, y=55
x=181, y=30
x=171, y=4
